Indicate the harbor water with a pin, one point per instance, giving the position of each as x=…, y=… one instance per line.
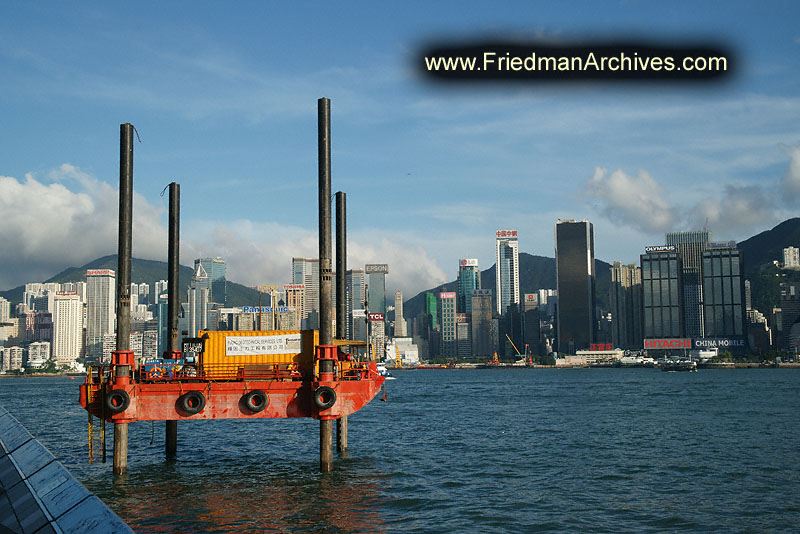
x=495, y=450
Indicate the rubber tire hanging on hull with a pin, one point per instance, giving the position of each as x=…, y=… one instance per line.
x=256, y=401
x=324, y=397
x=192, y=402
x=117, y=401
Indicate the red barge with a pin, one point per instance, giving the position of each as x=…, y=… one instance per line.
x=234, y=375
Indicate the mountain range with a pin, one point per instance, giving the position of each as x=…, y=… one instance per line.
x=536, y=272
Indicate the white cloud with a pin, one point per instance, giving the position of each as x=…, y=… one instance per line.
x=638, y=200
x=736, y=209
x=48, y=227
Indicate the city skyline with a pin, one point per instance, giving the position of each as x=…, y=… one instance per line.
x=236, y=126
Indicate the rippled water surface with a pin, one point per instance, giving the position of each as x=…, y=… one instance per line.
x=518, y=450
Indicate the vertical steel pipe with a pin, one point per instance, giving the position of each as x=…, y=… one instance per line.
x=173, y=298
x=124, y=279
x=341, y=300
x=325, y=300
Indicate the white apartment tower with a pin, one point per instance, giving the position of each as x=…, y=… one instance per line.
x=791, y=258
x=507, y=269
x=67, y=327
x=101, y=291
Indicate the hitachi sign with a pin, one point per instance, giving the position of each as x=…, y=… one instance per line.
x=668, y=343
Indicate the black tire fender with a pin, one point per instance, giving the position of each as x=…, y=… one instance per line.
x=192, y=402
x=117, y=401
x=324, y=397
x=256, y=401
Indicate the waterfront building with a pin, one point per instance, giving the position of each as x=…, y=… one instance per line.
x=690, y=246
x=506, y=269
x=399, y=321
x=481, y=332
x=404, y=349
x=469, y=279
x=67, y=328
x=431, y=310
x=38, y=353
x=447, y=313
x=101, y=293
x=662, y=293
x=199, y=295
x=215, y=270
x=723, y=291
x=11, y=358
x=625, y=301
x=791, y=258
x=305, y=272
x=296, y=298
x=377, y=334
x=463, y=336
x=376, y=286
x=575, y=281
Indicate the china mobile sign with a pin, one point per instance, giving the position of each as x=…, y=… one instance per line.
x=668, y=343
x=504, y=234
x=719, y=343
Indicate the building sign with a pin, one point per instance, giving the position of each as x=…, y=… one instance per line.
x=672, y=343
x=719, y=343
x=376, y=268
x=258, y=345
x=502, y=234
x=191, y=348
x=721, y=244
x=468, y=262
x=447, y=295
x=659, y=248
x=531, y=297
x=376, y=317
x=264, y=309
x=99, y=272
x=481, y=292
x=293, y=287
x=359, y=314
x=597, y=347
x=65, y=293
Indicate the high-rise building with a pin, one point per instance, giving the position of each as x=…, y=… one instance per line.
x=463, y=336
x=469, y=279
x=431, y=312
x=296, y=299
x=447, y=314
x=199, y=301
x=507, y=269
x=399, y=320
x=5, y=310
x=575, y=277
x=791, y=258
x=625, y=300
x=305, y=272
x=787, y=318
x=356, y=299
x=662, y=295
x=690, y=246
x=723, y=291
x=215, y=270
x=101, y=293
x=482, y=322
x=161, y=289
x=376, y=286
x=67, y=327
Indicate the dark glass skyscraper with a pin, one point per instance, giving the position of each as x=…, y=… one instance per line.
x=662, y=294
x=575, y=278
x=469, y=279
x=690, y=246
x=723, y=291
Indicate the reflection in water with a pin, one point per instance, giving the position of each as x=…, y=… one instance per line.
x=167, y=498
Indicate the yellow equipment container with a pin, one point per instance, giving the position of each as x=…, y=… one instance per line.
x=228, y=355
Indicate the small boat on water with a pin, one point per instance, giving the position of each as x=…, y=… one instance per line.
x=384, y=372
x=679, y=365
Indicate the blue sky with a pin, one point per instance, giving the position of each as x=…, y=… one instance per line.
x=224, y=97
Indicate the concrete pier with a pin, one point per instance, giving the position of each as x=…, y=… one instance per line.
x=38, y=494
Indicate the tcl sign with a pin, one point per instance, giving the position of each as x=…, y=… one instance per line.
x=668, y=343
x=376, y=317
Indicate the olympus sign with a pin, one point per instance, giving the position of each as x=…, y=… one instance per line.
x=659, y=248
